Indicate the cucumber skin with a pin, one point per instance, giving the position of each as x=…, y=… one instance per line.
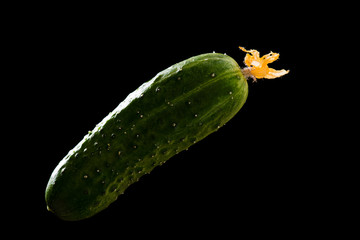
x=166, y=115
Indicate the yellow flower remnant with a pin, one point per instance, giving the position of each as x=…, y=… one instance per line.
x=257, y=67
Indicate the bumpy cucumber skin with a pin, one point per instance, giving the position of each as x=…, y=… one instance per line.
x=166, y=115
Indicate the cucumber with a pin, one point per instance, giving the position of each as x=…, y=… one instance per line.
x=164, y=116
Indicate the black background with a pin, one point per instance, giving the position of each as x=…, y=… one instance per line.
x=263, y=173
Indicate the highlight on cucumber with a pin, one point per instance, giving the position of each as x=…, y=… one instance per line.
x=175, y=109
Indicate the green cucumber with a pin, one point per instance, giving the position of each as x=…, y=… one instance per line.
x=166, y=115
